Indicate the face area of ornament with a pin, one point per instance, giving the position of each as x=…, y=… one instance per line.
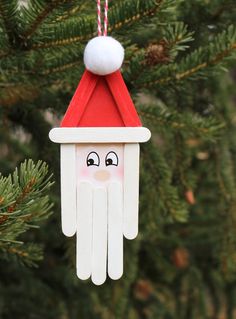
x=101, y=187
x=100, y=164
x=100, y=176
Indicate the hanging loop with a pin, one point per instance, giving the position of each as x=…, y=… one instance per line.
x=105, y=18
x=106, y=8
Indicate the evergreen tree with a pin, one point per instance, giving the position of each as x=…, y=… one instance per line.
x=178, y=57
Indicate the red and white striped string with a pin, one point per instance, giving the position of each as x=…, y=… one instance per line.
x=106, y=7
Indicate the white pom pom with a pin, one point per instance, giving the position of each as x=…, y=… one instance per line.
x=103, y=55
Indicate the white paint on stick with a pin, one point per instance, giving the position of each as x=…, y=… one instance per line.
x=99, y=246
x=131, y=190
x=68, y=189
x=84, y=230
x=115, y=230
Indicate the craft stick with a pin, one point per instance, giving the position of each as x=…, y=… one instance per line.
x=115, y=230
x=85, y=135
x=131, y=190
x=99, y=254
x=68, y=189
x=84, y=231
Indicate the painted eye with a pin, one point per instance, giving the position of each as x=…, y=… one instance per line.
x=111, y=159
x=93, y=159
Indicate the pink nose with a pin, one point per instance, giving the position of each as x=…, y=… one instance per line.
x=102, y=176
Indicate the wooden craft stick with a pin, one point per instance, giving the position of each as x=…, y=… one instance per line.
x=131, y=190
x=115, y=230
x=99, y=246
x=68, y=189
x=84, y=231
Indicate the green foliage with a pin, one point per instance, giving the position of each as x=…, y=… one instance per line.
x=188, y=124
x=23, y=204
x=178, y=37
x=195, y=65
x=9, y=25
x=179, y=68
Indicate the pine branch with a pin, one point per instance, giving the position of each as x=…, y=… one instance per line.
x=71, y=12
x=189, y=73
x=8, y=14
x=43, y=11
x=194, y=64
x=28, y=255
x=23, y=204
x=177, y=38
x=132, y=11
x=81, y=29
x=36, y=65
x=62, y=68
x=174, y=38
x=187, y=123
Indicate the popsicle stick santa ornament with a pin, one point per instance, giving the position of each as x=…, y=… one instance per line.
x=99, y=136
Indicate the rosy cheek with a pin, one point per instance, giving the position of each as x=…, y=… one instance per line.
x=84, y=172
x=120, y=171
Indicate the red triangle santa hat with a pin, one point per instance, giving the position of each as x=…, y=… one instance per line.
x=101, y=111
